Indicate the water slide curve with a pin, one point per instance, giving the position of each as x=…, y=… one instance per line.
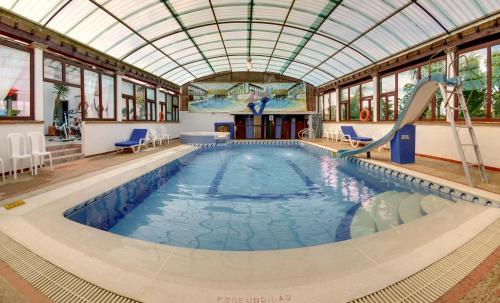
x=420, y=96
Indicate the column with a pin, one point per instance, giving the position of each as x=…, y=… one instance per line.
x=337, y=100
x=158, y=103
x=450, y=69
x=118, y=92
x=38, y=79
x=375, y=78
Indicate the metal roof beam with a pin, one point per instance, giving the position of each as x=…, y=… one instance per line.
x=174, y=14
x=220, y=32
x=325, y=16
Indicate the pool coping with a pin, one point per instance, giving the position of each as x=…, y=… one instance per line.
x=149, y=272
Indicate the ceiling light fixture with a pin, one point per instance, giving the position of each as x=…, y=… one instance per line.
x=249, y=63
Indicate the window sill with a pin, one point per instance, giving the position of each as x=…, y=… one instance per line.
x=19, y=121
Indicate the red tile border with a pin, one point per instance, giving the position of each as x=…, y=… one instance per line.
x=460, y=290
x=25, y=290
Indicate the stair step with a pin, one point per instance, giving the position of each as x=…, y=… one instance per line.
x=409, y=208
x=362, y=224
x=432, y=203
x=54, y=147
x=386, y=210
x=67, y=158
x=66, y=152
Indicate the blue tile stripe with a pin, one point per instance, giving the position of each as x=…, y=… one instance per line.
x=214, y=185
x=344, y=229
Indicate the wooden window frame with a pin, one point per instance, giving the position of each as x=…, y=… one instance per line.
x=17, y=46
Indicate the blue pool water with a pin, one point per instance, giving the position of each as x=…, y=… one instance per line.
x=240, y=197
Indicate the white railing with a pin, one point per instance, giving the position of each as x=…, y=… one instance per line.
x=304, y=134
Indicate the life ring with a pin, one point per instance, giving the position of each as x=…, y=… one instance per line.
x=162, y=116
x=364, y=115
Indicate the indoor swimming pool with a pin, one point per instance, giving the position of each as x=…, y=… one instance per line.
x=256, y=197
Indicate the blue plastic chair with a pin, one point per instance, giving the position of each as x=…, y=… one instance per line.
x=137, y=138
x=349, y=133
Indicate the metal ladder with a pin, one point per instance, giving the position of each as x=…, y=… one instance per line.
x=449, y=91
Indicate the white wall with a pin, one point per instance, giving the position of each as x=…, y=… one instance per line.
x=8, y=128
x=199, y=122
x=100, y=137
x=437, y=139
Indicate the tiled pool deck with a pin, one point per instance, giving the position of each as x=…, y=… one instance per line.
x=151, y=272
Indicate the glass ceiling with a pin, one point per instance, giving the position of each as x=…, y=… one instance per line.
x=313, y=40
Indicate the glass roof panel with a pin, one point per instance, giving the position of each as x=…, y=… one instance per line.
x=456, y=13
x=237, y=11
x=314, y=37
x=38, y=11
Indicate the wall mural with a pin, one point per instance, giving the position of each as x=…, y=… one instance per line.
x=210, y=97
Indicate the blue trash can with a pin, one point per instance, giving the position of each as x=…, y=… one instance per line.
x=403, y=145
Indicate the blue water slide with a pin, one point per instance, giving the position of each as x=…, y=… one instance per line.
x=420, y=96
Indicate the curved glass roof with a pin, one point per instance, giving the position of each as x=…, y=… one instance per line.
x=314, y=40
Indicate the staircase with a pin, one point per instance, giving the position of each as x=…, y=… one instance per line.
x=64, y=153
x=393, y=208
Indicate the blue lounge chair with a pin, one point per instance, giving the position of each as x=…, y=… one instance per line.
x=137, y=138
x=349, y=133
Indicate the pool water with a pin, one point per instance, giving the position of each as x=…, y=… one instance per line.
x=260, y=197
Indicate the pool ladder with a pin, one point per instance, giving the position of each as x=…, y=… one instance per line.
x=450, y=91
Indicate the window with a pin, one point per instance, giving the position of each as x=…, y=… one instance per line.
x=366, y=101
x=436, y=109
x=333, y=106
x=170, y=100
x=151, y=104
x=108, y=97
x=354, y=98
x=73, y=74
x=344, y=99
x=162, y=100
x=15, y=83
x=495, y=81
x=473, y=69
x=387, y=97
x=326, y=107
x=91, y=102
x=406, y=81
x=53, y=69
x=175, y=108
x=139, y=102
x=128, y=101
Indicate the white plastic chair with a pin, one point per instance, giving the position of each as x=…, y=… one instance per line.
x=18, y=150
x=153, y=137
x=164, y=135
x=3, y=169
x=38, y=151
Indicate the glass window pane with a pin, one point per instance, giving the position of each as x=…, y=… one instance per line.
x=140, y=105
x=169, y=103
x=382, y=109
x=343, y=111
x=14, y=82
x=150, y=94
x=326, y=107
x=344, y=94
x=108, y=97
x=473, y=71
x=388, y=84
x=367, y=89
x=73, y=74
x=354, y=95
x=176, y=100
x=52, y=69
x=91, y=89
x=127, y=88
x=333, y=106
x=124, y=109
x=161, y=97
x=495, y=81
x=406, y=81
